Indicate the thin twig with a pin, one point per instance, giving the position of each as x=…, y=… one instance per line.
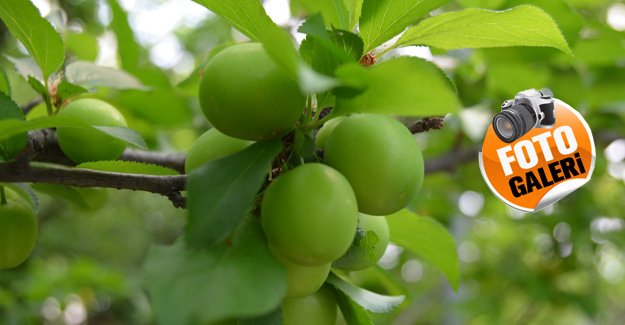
x=426, y=124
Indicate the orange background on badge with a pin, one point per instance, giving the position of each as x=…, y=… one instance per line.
x=494, y=171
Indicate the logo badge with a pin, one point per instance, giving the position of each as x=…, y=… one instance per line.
x=537, y=151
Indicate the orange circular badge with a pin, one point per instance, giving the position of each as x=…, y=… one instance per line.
x=543, y=165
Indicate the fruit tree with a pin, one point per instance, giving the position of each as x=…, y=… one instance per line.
x=298, y=162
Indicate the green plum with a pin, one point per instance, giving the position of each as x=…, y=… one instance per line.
x=309, y=214
x=381, y=160
x=83, y=144
x=246, y=95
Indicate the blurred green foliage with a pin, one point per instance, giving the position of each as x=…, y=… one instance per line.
x=563, y=265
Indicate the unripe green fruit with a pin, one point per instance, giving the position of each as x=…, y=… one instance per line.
x=326, y=129
x=369, y=245
x=309, y=214
x=302, y=280
x=246, y=95
x=18, y=231
x=83, y=144
x=210, y=146
x=316, y=309
x=381, y=160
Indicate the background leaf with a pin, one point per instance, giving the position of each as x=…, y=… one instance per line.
x=475, y=28
x=41, y=40
x=64, y=192
x=132, y=57
x=368, y=300
x=128, y=167
x=26, y=67
x=221, y=192
x=428, y=239
x=10, y=147
x=382, y=20
x=403, y=86
x=87, y=75
x=193, y=286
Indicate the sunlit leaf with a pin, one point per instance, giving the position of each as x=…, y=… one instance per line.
x=476, y=28
x=382, y=20
x=41, y=40
x=128, y=167
x=403, y=86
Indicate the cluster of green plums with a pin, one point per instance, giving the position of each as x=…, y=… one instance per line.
x=317, y=215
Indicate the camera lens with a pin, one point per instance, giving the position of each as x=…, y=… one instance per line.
x=512, y=123
x=505, y=127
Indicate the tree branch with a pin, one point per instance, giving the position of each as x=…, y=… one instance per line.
x=451, y=160
x=22, y=171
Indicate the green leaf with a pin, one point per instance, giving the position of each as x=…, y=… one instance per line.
x=310, y=81
x=334, y=12
x=37, y=86
x=128, y=167
x=477, y=28
x=64, y=192
x=87, y=75
x=201, y=286
x=249, y=17
x=11, y=146
x=353, y=313
x=354, y=7
x=41, y=40
x=403, y=86
x=221, y=192
x=382, y=20
x=128, y=135
x=325, y=50
x=368, y=300
x=5, y=86
x=428, y=239
x=67, y=90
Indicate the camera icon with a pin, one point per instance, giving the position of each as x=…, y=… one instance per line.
x=529, y=108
